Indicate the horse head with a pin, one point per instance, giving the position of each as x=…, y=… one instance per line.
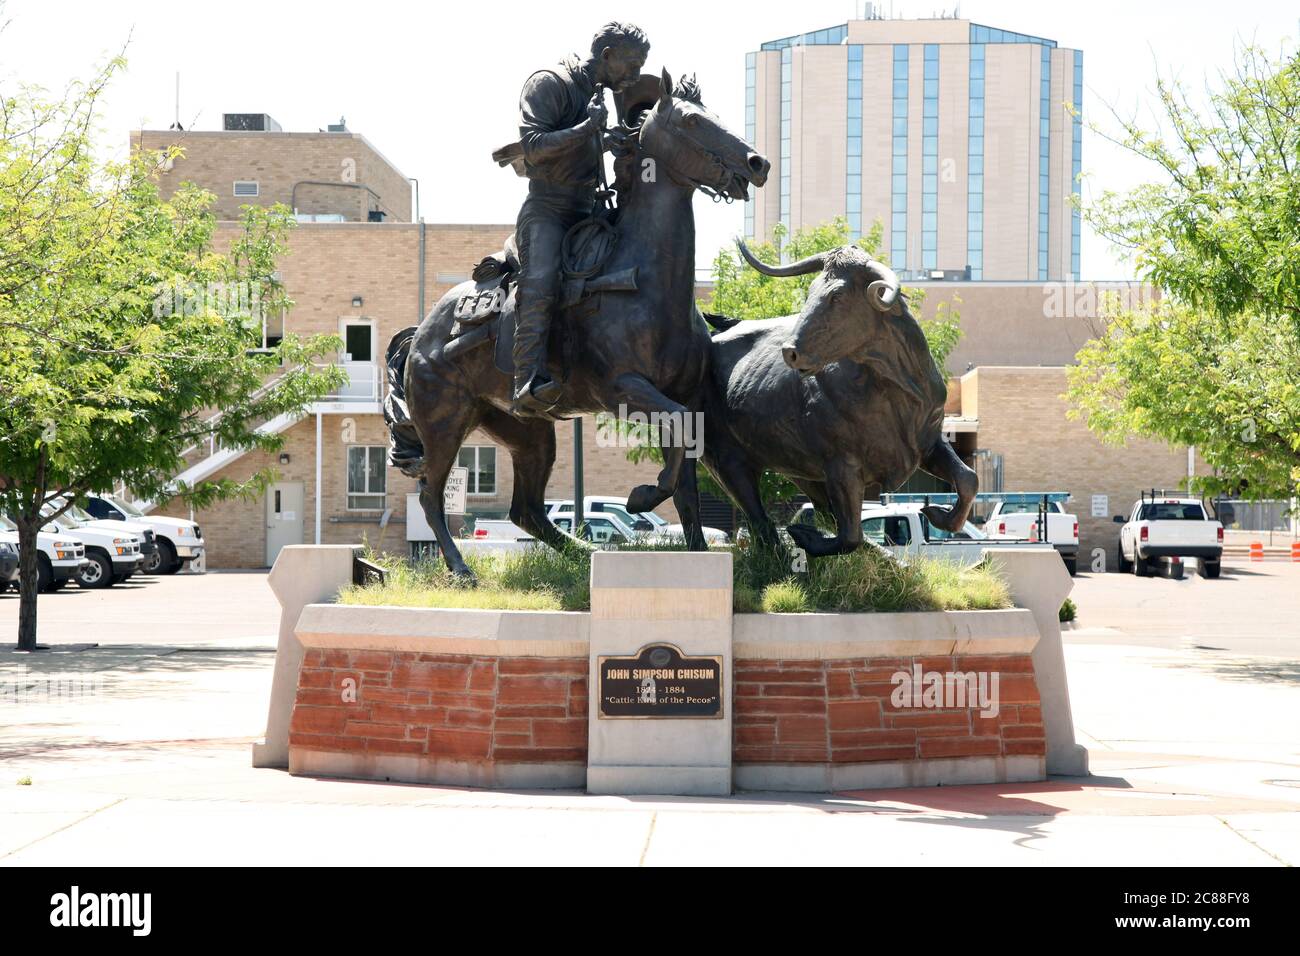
x=687, y=141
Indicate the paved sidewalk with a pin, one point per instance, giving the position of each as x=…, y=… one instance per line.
x=1195, y=756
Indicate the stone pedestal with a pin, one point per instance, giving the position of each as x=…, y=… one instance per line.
x=672, y=598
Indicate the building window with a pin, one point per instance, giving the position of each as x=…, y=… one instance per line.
x=751, y=76
x=1044, y=156
x=898, y=215
x=853, y=181
x=367, y=477
x=246, y=187
x=975, y=164
x=786, y=68
x=930, y=161
x=1076, y=165
x=481, y=462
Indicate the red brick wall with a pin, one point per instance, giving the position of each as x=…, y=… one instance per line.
x=840, y=712
x=534, y=710
x=522, y=710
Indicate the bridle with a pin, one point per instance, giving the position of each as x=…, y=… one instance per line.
x=718, y=179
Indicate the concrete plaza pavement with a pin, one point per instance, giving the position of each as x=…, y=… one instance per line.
x=1195, y=760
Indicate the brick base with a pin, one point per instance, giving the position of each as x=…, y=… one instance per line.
x=481, y=721
x=456, y=718
x=842, y=712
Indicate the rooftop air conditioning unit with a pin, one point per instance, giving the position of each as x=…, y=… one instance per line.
x=249, y=123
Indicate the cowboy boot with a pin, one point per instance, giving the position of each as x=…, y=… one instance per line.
x=534, y=391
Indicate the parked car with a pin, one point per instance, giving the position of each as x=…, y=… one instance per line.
x=496, y=529
x=1021, y=520
x=110, y=557
x=598, y=527
x=645, y=524
x=1169, y=526
x=148, y=543
x=58, y=557
x=180, y=541
x=902, y=530
x=8, y=561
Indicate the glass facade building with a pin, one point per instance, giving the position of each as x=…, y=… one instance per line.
x=980, y=175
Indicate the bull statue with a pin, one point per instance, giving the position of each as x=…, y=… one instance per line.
x=844, y=399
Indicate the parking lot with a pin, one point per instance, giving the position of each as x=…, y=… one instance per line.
x=1253, y=608
x=219, y=608
x=1181, y=691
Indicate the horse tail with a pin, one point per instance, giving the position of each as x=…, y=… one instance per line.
x=719, y=322
x=405, y=450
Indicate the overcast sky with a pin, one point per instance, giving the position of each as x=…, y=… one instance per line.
x=435, y=86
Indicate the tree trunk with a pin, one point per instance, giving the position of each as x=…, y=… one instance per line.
x=28, y=556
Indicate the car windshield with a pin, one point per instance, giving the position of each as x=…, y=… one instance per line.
x=63, y=522
x=1172, y=511
x=123, y=506
x=79, y=514
x=1027, y=508
x=629, y=519
x=968, y=532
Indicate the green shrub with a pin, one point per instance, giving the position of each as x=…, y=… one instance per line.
x=1069, y=611
x=764, y=579
x=785, y=597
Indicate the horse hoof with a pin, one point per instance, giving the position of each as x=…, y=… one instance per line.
x=645, y=498
x=943, y=518
x=805, y=536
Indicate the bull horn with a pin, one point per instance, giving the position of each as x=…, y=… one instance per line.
x=883, y=292
x=802, y=267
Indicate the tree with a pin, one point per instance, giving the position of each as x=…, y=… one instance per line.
x=740, y=292
x=122, y=329
x=1216, y=362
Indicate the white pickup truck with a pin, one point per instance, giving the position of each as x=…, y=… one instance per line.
x=1020, y=519
x=902, y=530
x=180, y=541
x=1169, y=527
x=647, y=525
x=58, y=557
x=110, y=558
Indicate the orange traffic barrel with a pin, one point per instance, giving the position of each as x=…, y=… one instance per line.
x=1295, y=550
x=1257, y=551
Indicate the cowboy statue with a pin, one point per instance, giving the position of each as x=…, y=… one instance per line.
x=562, y=120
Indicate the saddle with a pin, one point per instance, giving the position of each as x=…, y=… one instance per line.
x=487, y=313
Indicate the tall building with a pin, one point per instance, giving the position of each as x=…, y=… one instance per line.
x=954, y=135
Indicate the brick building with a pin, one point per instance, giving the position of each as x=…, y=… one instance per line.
x=361, y=266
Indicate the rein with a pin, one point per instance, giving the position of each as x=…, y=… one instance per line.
x=720, y=180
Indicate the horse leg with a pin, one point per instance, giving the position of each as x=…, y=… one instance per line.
x=453, y=417
x=687, y=500
x=843, y=487
x=532, y=455
x=431, y=487
x=638, y=394
x=942, y=462
x=816, y=492
x=741, y=482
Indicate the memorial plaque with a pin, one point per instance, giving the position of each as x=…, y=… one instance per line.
x=660, y=682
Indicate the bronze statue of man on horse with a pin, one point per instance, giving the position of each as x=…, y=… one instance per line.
x=591, y=308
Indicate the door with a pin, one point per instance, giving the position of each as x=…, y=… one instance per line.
x=358, y=359
x=283, y=517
